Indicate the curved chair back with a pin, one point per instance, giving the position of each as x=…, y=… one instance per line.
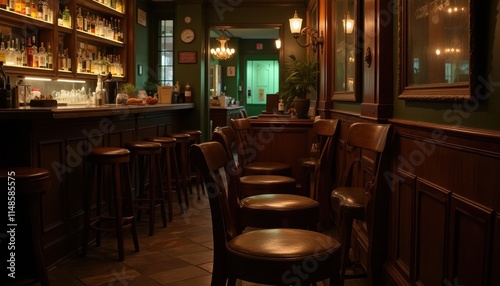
x=245, y=138
x=212, y=161
x=325, y=130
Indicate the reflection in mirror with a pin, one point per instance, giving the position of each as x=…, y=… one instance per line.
x=437, y=42
x=344, y=46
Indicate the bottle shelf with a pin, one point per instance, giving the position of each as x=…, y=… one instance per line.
x=13, y=18
x=68, y=40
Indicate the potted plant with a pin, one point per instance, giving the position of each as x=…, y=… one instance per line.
x=301, y=80
x=130, y=89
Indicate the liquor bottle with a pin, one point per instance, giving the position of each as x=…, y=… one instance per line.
x=27, y=8
x=42, y=56
x=34, y=52
x=3, y=4
x=19, y=56
x=92, y=25
x=66, y=17
x=60, y=62
x=119, y=6
x=10, y=54
x=79, y=61
x=86, y=22
x=29, y=53
x=187, y=92
x=10, y=5
x=34, y=9
x=68, y=60
x=79, y=20
x=88, y=63
x=3, y=52
x=18, y=6
x=40, y=10
x=24, y=55
x=50, y=59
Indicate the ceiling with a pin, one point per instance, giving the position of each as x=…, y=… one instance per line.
x=247, y=33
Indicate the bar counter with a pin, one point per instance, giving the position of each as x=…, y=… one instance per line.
x=56, y=138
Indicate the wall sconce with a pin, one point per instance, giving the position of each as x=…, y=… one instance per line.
x=277, y=43
x=348, y=24
x=295, y=28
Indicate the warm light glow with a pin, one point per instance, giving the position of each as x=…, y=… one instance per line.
x=295, y=24
x=71, y=80
x=438, y=52
x=224, y=52
x=37, y=78
x=277, y=42
x=348, y=24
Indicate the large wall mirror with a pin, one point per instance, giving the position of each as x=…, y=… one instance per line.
x=346, y=53
x=437, y=49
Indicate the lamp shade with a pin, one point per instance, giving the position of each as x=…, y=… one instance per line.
x=295, y=24
x=348, y=25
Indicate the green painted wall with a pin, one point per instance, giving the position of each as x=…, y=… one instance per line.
x=142, y=42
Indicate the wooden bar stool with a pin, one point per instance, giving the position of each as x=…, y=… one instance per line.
x=116, y=160
x=182, y=140
x=146, y=155
x=194, y=138
x=30, y=184
x=169, y=158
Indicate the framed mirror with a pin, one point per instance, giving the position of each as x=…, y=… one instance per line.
x=346, y=53
x=439, y=48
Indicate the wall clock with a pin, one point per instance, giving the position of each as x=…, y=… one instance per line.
x=187, y=36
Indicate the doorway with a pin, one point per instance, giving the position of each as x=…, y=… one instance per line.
x=262, y=78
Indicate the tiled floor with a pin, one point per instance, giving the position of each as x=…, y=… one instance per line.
x=179, y=255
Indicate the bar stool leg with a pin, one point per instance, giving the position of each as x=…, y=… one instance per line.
x=175, y=169
x=119, y=214
x=159, y=189
x=34, y=203
x=129, y=204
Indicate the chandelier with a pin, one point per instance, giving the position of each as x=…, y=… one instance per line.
x=222, y=53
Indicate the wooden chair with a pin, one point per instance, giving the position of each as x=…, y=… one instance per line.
x=366, y=201
x=246, y=142
x=277, y=206
x=324, y=131
x=279, y=256
x=253, y=184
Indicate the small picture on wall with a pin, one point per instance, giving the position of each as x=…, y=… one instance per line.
x=231, y=71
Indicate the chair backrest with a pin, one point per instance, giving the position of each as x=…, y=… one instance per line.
x=210, y=158
x=325, y=130
x=226, y=136
x=243, y=113
x=246, y=141
x=362, y=138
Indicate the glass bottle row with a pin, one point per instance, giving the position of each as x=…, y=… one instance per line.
x=38, y=9
x=16, y=53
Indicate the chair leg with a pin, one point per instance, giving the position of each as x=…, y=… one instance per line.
x=36, y=239
x=346, y=221
x=159, y=191
x=129, y=204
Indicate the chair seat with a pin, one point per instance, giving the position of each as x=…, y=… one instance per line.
x=309, y=162
x=351, y=197
x=267, y=184
x=164, y=141
x=278, y=202
x=279, y=210
x=297, y=243
x=108, y=155
x=275, y=253
x=268, y=168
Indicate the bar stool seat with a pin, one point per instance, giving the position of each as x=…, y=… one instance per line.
x=267, y=184
x=168, y=145
x=183, y=141
x=30, y=184
x=116, y=159
x=147, y=154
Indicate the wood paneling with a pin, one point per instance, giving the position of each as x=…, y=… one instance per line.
x=432, y=204
x=470, y=242
x=445, y=226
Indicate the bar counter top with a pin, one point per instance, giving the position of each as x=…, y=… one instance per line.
x=81, y=111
